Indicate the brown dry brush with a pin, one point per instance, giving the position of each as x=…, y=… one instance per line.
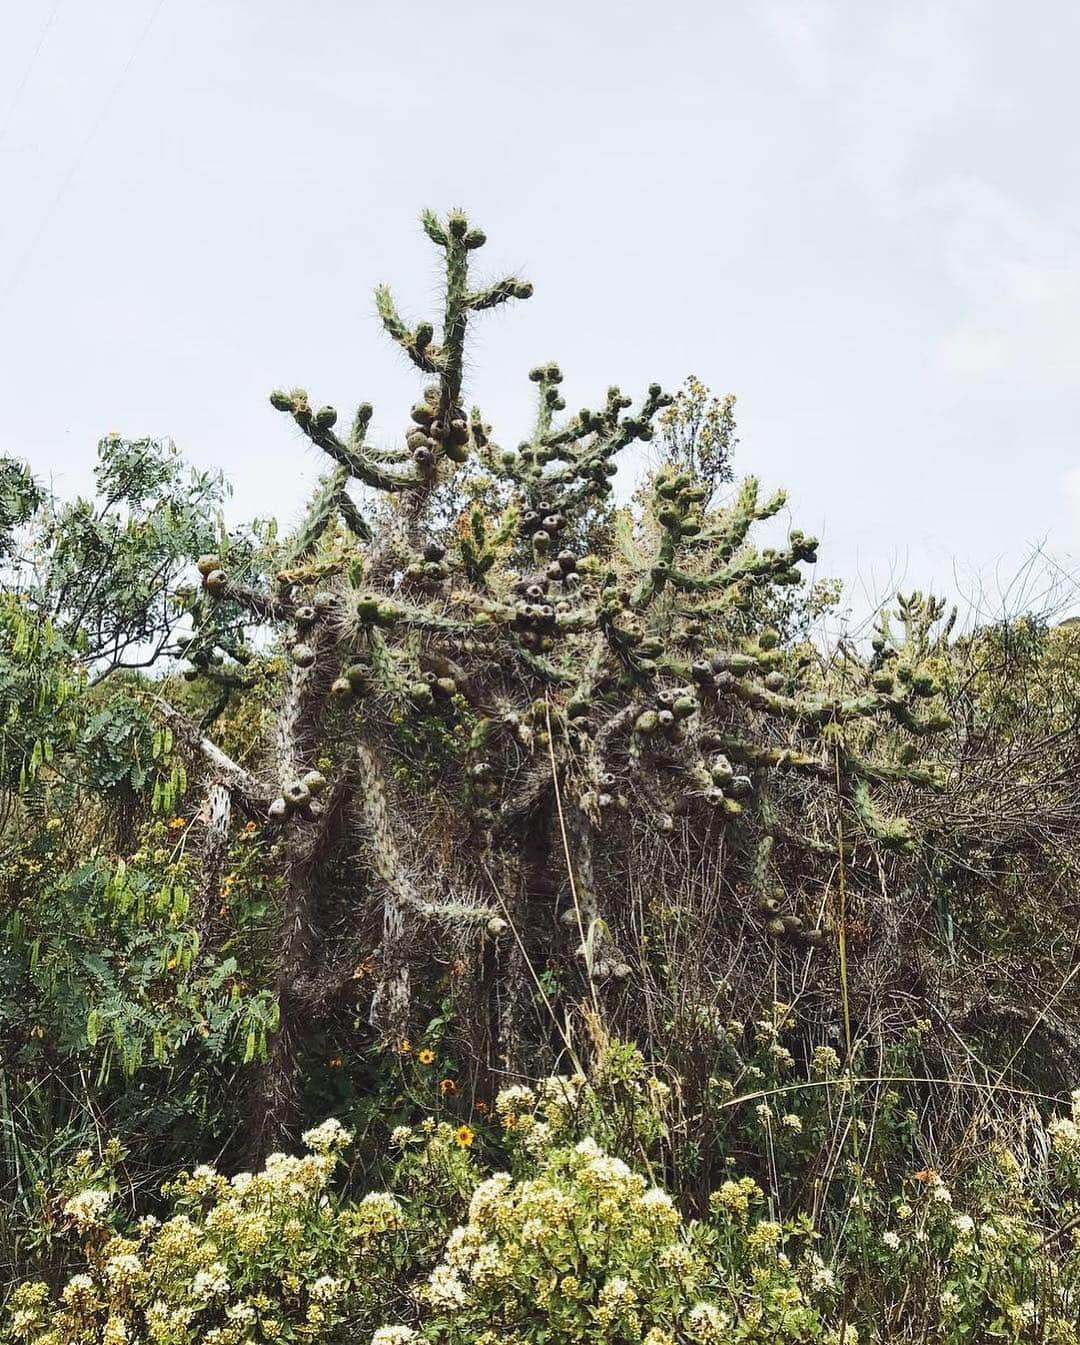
x=554, y=746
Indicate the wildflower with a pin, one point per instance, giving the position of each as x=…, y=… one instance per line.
x=904, y=1210
x=891, y=1240
x=792, y=1122
x=707, y=1323
x=175, y=823
x=335, y=1062
x=250, y=827
x=400, y=1136
x=964, y=1225
x=444, y=1288
x=393, y=1335
x=463, y=1137
x=825, y=1060
x=447, y=1087
x=426, y=1056
x=404, y=1046
x=86, y=1208
x=330, y=1137
x=326, y=1288
x=941, y=1193
x=765, y=1236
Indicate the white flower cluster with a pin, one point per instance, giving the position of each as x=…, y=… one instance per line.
x=86, y=1209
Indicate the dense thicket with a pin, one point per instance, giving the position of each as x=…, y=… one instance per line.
x=482, y=764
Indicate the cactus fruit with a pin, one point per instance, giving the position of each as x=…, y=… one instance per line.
x=216, y=582
x=207, y=564
x=278, y=810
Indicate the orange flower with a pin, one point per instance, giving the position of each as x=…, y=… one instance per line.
x=447, y=1087
x=249, y=827
x=463, y=1137
x=482, y=1107
x=426, y=1056
x=335, y=1062
x=925, y=1175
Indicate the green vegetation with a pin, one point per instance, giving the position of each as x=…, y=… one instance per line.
x=665, y=972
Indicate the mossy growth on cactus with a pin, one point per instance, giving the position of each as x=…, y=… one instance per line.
x=604, y=684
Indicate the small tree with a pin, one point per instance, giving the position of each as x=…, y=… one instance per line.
x=501, y=696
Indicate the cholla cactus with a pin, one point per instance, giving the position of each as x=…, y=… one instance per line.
x=501, y=686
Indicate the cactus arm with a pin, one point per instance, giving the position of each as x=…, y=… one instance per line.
x=354, y=519
x=415, y=341
x=499, y=293
x=241, y=782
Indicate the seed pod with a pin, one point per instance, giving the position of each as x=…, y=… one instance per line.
x=302, y=655
x=417, y=438
x=775, y=928
x=554, y=573
x=191, y=674
x=278, y=810
x=666, y=822
x=775, y=681
x=305, y=616
x=769, y=906
x=665, y=719
x=340, y=688
x=323, y=601
x=315, y=781
x=297, y=794
x=445, y=686
x=567, y=561
x=422, y=413
x=541, y=540
x=740, y=786
x=205, y=564
x=216, y=582
x=433, y=551
x=496, y=926
x=792, y=924
x=423, y=457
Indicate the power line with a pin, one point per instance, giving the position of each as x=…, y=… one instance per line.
x=96, y=126
x=27, y=72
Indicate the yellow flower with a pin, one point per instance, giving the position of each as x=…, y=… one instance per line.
x=405, y=1046
x=176, y=823
x=426, y=1056
x=463, y=1137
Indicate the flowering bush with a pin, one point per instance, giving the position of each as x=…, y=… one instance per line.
x=571, y=1243
x=273, y=1255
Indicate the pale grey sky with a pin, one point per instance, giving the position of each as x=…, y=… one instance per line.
x=861, y=218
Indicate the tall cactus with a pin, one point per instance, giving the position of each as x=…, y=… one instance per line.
x=494, y=686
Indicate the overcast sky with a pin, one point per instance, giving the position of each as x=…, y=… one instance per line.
x=862, y=219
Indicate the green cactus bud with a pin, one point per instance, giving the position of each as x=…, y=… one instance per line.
x=325, y=417
x=475, y=238
x=281, y=401
x=647, y=723
x=421, y=695
x=684, y=707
